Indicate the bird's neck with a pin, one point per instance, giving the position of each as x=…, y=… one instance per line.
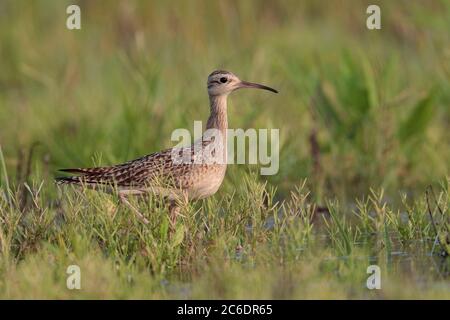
x=218, y=116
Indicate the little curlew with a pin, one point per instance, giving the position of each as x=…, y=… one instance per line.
x=193, y=172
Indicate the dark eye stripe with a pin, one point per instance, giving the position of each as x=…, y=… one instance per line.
x=211, y=83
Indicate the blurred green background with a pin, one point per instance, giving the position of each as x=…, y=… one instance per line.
x=357, y=108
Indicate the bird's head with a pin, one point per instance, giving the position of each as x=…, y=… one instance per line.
x=222, y=82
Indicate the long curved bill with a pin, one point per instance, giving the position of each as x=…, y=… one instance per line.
x=246, y=84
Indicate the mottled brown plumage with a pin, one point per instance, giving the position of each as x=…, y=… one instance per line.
x=162, y=173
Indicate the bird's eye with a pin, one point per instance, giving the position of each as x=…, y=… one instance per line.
x=223, y=79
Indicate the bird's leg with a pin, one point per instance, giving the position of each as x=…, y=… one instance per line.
x=125, y=201
x=174, y=211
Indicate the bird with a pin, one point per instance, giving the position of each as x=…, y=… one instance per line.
x=190, y=173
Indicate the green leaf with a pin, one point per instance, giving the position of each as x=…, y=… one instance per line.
x=370, y=83
x=327, y=109
x=418, y=120
x=179, y=236
x=164, y=228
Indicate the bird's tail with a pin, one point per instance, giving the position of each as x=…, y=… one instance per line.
x=87, y=176
x=73, y=179
x=67, y=180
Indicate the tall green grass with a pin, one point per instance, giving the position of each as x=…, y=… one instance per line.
x=363, y=118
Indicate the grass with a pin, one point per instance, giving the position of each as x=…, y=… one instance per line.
x=363, y=118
